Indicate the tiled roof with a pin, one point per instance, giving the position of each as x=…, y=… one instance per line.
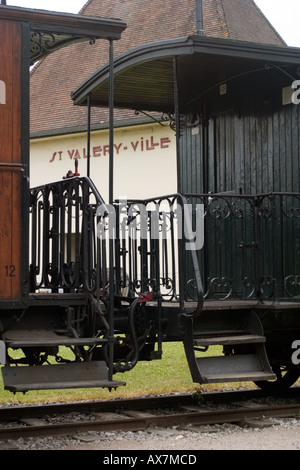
x=61, y=72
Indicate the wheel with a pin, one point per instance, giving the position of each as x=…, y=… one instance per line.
x=285, y=378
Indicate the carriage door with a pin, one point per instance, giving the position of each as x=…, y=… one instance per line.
x=13, y=148
x=230, y=258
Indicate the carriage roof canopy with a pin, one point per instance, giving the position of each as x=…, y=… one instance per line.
x=50, y=31
x=144, y=76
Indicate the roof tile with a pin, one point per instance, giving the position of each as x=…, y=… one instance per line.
x=53, y=79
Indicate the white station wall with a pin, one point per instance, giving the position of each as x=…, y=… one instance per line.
x=144, y=160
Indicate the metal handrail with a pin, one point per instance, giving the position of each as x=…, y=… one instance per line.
x=70, y=230
x=63, y=235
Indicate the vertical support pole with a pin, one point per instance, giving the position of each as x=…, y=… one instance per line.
x=199, y=17
x=254, y=244
x=111, y=122
x=88, y=172
x=181, y=254
x=177, y=123
x=205, y=145
x=111, y=200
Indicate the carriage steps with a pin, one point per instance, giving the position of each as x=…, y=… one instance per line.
x=241, y=335
x=62, y=375
x=90, y=374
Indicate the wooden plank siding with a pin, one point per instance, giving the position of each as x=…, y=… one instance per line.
x=251, y=241
x=10, y=161
x=255, y=153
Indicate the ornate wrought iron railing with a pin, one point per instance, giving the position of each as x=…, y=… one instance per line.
x=65, y=252
x=72, y=231
x=155, y=242
x=242, y=247
x=252, y=246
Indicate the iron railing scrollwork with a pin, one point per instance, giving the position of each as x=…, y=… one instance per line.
x=238, y=246
x=252, y=246
x=64, y=251
x=70, y=230
x=155, y=242
x=43, y=42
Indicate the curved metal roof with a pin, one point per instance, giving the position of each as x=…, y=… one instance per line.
x=144, y=76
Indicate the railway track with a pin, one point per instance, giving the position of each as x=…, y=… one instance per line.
x=143, y=413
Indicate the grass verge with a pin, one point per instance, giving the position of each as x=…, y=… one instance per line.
x=168, y=375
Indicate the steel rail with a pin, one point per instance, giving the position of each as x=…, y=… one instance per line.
x=129, y=421
x=11, y=412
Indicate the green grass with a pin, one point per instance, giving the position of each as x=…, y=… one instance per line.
x=170, y=374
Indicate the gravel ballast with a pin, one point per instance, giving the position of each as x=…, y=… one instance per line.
x=275, y=434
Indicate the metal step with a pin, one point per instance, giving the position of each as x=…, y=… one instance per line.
x=45, y=338
x=55, y=342
x=229, y=339
x=247, y=362
x=235, y=368
x=91, y=374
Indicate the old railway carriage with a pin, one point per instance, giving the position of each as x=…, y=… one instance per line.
x=215, y=264
x=35, y=227
x=235, y=108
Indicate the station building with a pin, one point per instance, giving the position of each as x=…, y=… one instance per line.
x=144, y=143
